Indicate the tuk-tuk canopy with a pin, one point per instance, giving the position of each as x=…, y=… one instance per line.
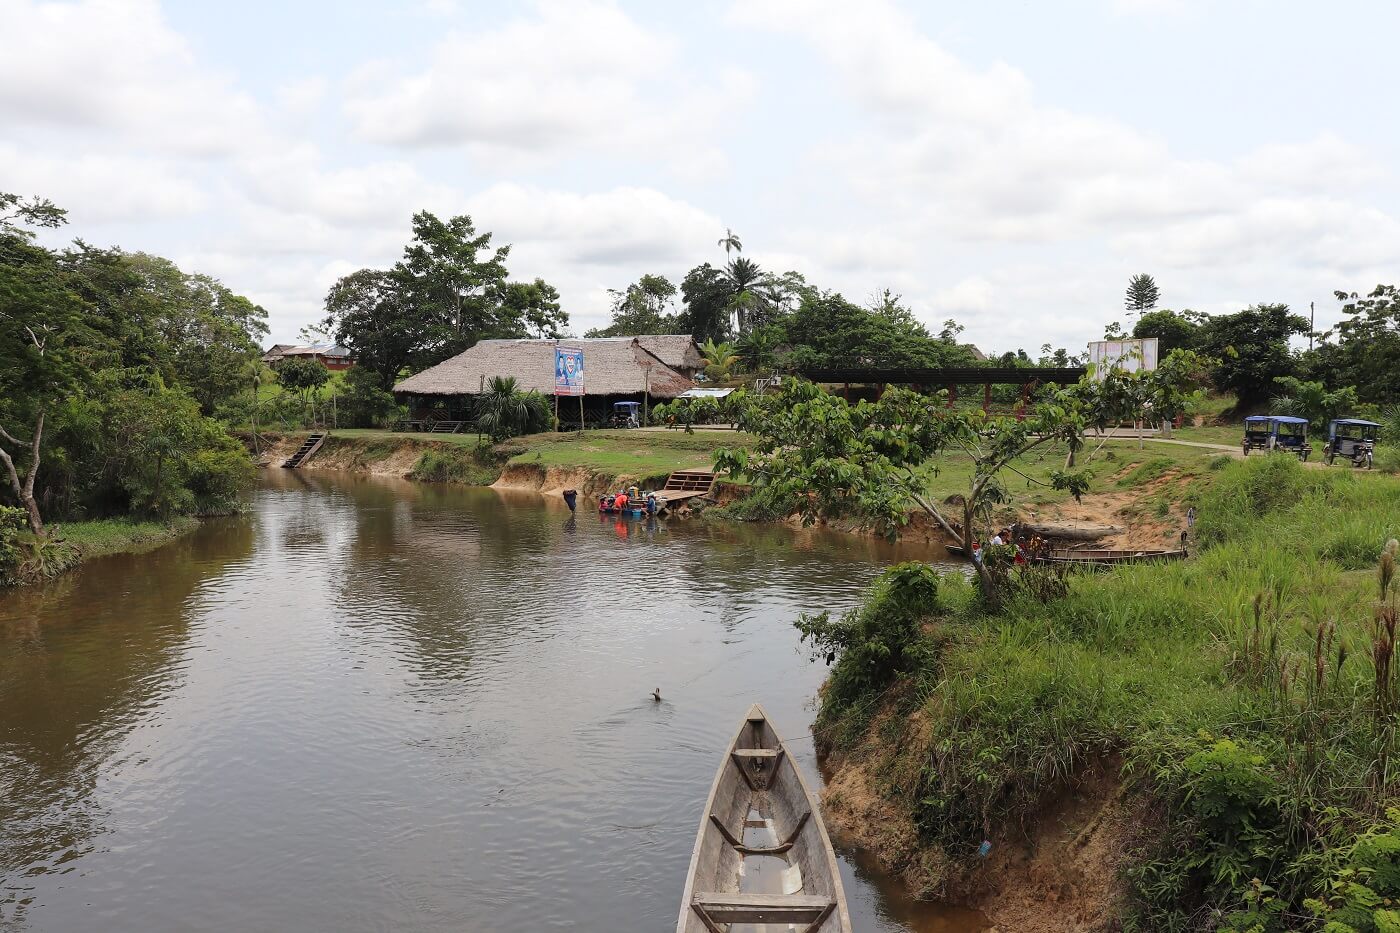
x=1257, y=419
x=1288, y=419
x=1358, y=421
x=627, y=404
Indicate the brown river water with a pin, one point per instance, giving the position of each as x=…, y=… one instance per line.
x=374, y=705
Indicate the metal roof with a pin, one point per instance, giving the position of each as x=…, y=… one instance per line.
x=1360, y=421
x=952, y=375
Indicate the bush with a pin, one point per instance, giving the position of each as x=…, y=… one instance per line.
x=456, y=465
x=877, y=640
x=13, y=526
x=365, y=403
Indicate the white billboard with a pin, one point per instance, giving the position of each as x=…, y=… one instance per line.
x=1138, y=354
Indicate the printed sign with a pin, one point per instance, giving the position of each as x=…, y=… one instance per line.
x=568, y=370
x=1128, y=355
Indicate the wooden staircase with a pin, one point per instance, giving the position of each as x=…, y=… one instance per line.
x=306, y=451
x=699, y=482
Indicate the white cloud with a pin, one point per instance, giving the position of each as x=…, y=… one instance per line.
x=570, y=75
x=116, y=65
x=98, y=187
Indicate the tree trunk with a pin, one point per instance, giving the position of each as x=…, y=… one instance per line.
x=24, y=492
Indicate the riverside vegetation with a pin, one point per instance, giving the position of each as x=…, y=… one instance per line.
x=1247, y=697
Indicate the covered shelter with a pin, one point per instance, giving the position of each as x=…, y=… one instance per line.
x=1027, y=378
x=615, y=369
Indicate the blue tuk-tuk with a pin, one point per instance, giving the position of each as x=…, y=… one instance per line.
x=1277, y=432
x=1352, y=438
x=627, y=415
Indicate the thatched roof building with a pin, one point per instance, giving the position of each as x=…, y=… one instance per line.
x=613, y=366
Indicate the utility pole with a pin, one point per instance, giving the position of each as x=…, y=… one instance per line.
x=1312, y=323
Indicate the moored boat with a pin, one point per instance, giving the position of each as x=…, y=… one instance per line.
x=762, y=855
x=1106, y=556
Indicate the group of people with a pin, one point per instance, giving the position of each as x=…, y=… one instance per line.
x=1026, y=547
x=628, y=498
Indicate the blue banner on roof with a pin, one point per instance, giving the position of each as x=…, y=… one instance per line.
x=568, y=370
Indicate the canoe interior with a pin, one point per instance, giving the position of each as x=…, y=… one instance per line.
x=1106, y=556
x=762, y=859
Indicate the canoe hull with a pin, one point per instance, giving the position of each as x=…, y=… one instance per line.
x=762, y=854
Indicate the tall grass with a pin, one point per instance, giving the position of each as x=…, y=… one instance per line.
x=1247, y=691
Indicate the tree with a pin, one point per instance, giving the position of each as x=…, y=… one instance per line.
x=758, y=349
x=743, y=277
x=303, y=376
x=826, y=458
x=1251, y=349
x=1313, y=401
x=364, y=402
x=504, y=411
x=730, y=241
x=534, y=307
x=827, y=331
x=719, y=359
x=706, y=292
x=372, y=319
x=1142, y=294
x=43, y=337
x=647, y=306
x=1364, y=348
x=1173, y=331
x=455, y=281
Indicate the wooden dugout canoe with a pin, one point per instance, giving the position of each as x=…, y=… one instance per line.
x=762, y=855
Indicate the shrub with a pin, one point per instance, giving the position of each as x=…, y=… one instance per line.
x=13, y=526
x=455, y=465
x=877, y=640
x=365, y=403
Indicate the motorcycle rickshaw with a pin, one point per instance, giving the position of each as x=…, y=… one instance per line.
x=1277, y=432
x=627, y=415
x=1353, y=439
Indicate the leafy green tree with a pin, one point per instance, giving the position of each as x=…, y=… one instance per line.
x=1173, y=331
x=1251, y=349
x=1313, y=401
x=1142, y=294
x=534, y=307
x=47, y=348
x=647, y=306
x=454, y=280
x=1363, y=349
x=364, y=402
x=302, y=376
x=827, y=331
x=504, y=411
x=706, y=293
x=371, y=318
x=827, y=458
x=744, y=277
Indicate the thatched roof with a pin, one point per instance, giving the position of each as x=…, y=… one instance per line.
x=677, y=351
x=611, y=365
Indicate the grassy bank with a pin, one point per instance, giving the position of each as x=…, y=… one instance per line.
x=1245, y=700
x=71, y=543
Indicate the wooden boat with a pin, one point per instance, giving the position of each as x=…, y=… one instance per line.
x=762, y=855
x=1099, y=557
x=1106, y=557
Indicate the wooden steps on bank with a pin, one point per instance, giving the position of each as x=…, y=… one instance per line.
x=305, y=452
x=687, y=484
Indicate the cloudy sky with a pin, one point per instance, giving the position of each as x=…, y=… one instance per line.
x=1006, y=164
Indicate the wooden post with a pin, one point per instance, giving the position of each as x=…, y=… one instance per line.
x=580, y=413
x=952, y=394
x=986, y=397
x=557, y=426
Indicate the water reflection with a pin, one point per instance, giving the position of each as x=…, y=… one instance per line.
x=379, y=705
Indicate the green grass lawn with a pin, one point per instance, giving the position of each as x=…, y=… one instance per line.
x=633, y=453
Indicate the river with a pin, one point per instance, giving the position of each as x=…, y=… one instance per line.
x=377, y=705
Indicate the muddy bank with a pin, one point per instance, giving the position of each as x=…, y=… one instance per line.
x=551, y=480
x=1058, y=872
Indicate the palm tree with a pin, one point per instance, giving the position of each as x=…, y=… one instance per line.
x=505, y=411
x=719, y=359
x=730, y=241
x=744, y=277
x=757, y=350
